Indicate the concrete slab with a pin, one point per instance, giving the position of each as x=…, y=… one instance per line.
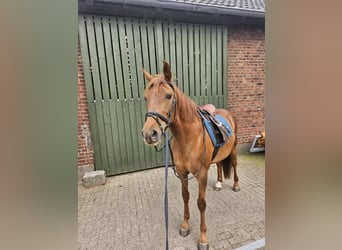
x=84, y=169
x=94, y=178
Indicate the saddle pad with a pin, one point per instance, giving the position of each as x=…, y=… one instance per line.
x=226, y=124
x=213, y=130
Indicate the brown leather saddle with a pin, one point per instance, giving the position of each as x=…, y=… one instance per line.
x=210, y=108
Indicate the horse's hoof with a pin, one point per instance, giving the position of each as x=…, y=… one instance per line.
x=203, y=246
x=236, y=189
x=184, y=232
x=218, y=186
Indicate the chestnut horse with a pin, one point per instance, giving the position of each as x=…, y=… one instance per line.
x=191, y=146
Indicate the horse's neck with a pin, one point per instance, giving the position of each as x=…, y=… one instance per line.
x=187, y=123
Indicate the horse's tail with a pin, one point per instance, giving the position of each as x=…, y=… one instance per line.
x=227, y=167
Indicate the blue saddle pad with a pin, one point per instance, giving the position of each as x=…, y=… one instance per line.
x=213, y=130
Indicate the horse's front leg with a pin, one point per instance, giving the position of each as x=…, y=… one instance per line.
x=185, y=228
x=201, y=203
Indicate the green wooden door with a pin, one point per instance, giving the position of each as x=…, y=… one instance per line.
x=114, y=50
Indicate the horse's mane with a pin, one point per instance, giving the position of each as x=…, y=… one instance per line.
x=186, y=109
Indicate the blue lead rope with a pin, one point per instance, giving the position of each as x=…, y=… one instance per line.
x=166, y=212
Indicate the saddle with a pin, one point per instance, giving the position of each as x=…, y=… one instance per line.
x=217, y=127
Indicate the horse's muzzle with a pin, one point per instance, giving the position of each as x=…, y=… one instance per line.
x=151, y=137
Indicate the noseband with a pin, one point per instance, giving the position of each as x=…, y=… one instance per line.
x=157, y=116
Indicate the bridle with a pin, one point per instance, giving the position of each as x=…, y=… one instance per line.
x=157, y=116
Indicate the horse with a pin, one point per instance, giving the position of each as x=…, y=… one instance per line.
x=191, y=147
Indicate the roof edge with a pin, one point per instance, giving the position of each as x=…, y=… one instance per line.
x=197, y=8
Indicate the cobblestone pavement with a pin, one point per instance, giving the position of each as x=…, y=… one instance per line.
x=128, y=211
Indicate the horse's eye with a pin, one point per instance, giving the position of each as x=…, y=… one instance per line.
x=168, y=96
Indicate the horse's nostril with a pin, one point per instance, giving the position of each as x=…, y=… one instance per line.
x=154, y=135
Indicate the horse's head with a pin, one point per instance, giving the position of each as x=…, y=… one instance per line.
x=160, y=100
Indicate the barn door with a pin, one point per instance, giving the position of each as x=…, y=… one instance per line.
x=114, y=50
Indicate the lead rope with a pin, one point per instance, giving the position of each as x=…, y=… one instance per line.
x=166, y=205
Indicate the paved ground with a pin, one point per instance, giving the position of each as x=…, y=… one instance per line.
x=127, y=213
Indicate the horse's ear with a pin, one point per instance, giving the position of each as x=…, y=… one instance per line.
x=167, y=71
x=147, y=75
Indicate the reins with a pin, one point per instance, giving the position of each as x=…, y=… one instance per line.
x=166, y=205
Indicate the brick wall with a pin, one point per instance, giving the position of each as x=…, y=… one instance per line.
x=85, y=145
x=246, y=80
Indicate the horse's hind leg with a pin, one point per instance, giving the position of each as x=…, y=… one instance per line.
x=185, y=228
x=236, y=186
x=218, y=185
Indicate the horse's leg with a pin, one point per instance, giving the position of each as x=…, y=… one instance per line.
x=236, y=187
x=201, y=203
x=218, y=185
x=185, y=228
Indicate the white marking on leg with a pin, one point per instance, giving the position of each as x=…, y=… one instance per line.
x=218, y=185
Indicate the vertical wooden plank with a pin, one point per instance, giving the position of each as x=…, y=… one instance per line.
x=203, y=81
x=191, y=62
x=172, y=42
x=123, y=25
x=144, y=47
x=93, y=58
x=197, y=79
x=166, y=41
x=208, y=59
x=126, y=131
x=102, y=136
x=138, y=58
x=108, y=137
x=221, y=102
x=134, y=133
x=122, y=136
x=179, y=61
x=151, y=46
x=117, y=58
x=95, y=135
x=83, y=38
x=214, y=60
x=225, y=65
x=115, y=133
x=159, y=46
x=132, y=64
x=126, y=84
x=109, y=54
x=185, y=52
x=219, y=61
x=101, y=58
